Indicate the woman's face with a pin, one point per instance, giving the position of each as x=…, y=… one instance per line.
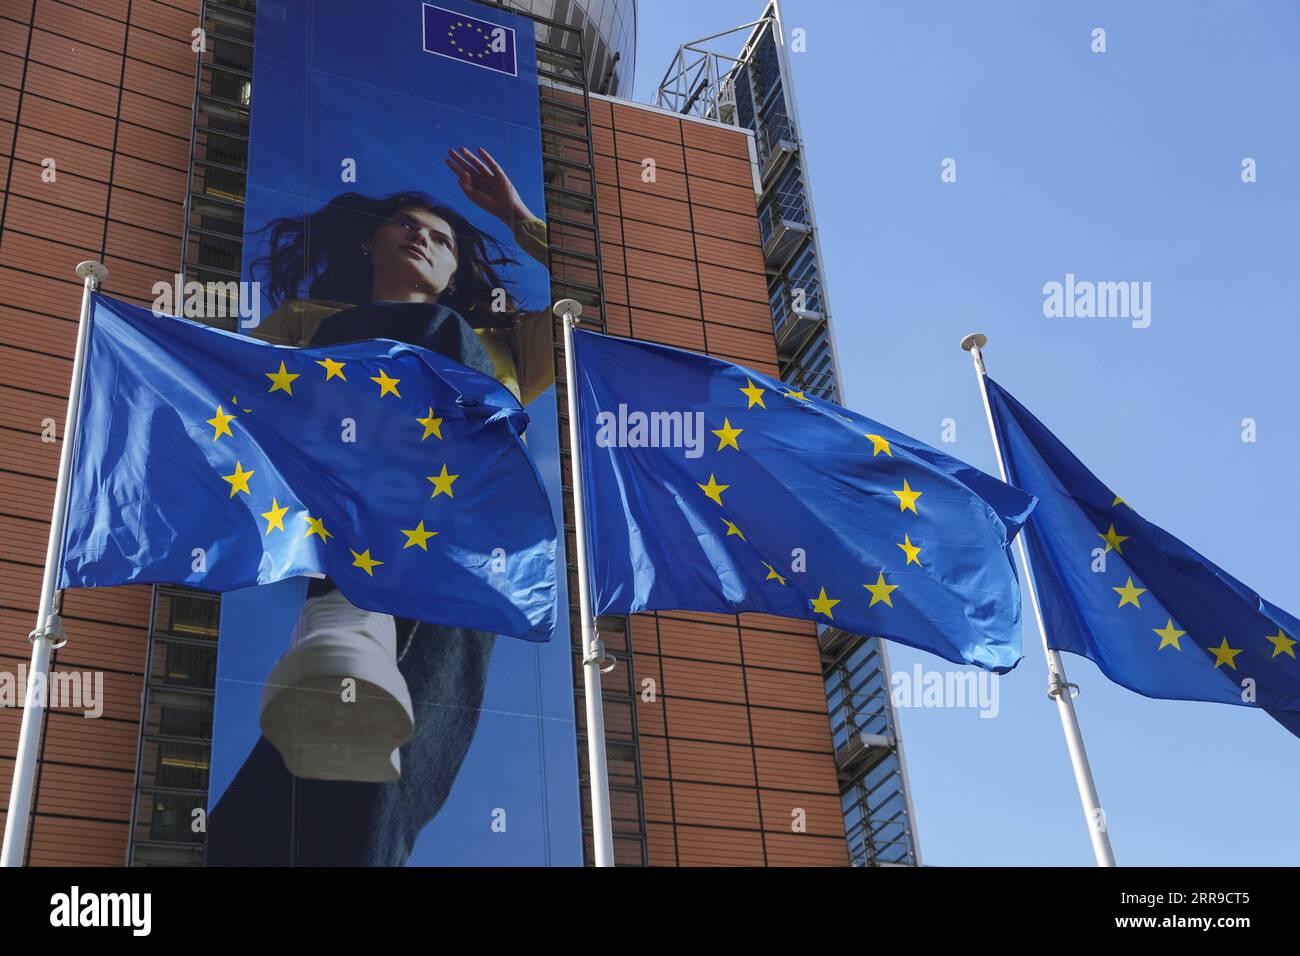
x=414, y=251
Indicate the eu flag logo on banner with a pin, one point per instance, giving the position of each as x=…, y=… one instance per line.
x=1151, y=613
x=217, y=461
x=710, y=487
x=469, y=39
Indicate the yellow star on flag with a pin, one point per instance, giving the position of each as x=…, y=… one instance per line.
x=713, y=489
x=879, y=444
x=822, y=604
x=880, y=591
x=727, y=435
x=365, y=562
x=432, y=426
x=799, y=395
x=275, y=517
x=1119, y=501
x=239, y=480
x=332, y=369
x=387, y=386
x=754, y=394
x=1282, y=644
x=317, y=527
x=912, y=551
x=1223, y=654
x=772, y=575
x=1113, y=539
x=1128, y=594
x=732, y=529
x=907, y=498
x=1169, y=635
x=418, y=536
x=442, y=483
x=221, y=424
x=281, y=381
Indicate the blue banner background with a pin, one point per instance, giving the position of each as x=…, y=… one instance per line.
x=351, y=81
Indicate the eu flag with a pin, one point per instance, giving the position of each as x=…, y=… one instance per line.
x=470, y=39
x=217, y=461
x=711, y=487
x=1150, y=612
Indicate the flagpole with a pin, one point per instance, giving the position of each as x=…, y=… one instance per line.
x=1058, y=687
x=49, y=622
x=594, y=658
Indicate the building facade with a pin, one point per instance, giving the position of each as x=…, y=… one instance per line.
x=123, y=138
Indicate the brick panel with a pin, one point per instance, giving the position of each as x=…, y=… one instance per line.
x=22, y=496
x=63, y=842
x=635, y=148
x=68, y=190
x=790, y=770
x=23, y=452
x=661, y=239
x=64, y=53
x=806, y=850
x=715, y=139
x=662, y=844
x=785, y=650
x=69, y=155
x=655, y=295
x=702, y=846
x=706, y=762
x=711, y=805
x=739, y=227
x=13, y=36
x=171, y=52
x=648, y=123
x=163, y=18
x=92, y=741
x=703, y=680
x=823, y=815
x=741, y=313
x=60, y=118
x=706, y=720
x=733, y=170
x=80, y=24
x=741, y=345
x=658, y=268
x=40, y=333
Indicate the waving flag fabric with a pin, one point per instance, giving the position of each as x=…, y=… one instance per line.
x=1152, y=613
x=217, y=461
x=710, y=487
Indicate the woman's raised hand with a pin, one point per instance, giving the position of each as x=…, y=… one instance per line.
x=486, y=185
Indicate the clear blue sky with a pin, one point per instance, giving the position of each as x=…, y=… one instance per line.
x=1117, y=166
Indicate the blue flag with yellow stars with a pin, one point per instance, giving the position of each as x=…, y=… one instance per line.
x=213, y=460
x=1150, y=612
x=711, y=487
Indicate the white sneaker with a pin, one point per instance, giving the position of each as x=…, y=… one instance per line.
x=320, y=735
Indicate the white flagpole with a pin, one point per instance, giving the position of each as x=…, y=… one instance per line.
x=594, y=659
x=1058, y=687
x=49, y=623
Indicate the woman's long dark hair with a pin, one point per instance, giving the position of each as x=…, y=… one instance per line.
x=320, y=254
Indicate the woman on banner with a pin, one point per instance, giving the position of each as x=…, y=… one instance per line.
x=362, y=779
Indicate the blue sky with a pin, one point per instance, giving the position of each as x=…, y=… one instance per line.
x=1115, y=166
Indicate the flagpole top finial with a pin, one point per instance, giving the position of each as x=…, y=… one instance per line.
x=976, y=340
x=92, y=270
x=567, y=307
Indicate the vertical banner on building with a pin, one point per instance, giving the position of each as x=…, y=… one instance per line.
x=395, y=191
